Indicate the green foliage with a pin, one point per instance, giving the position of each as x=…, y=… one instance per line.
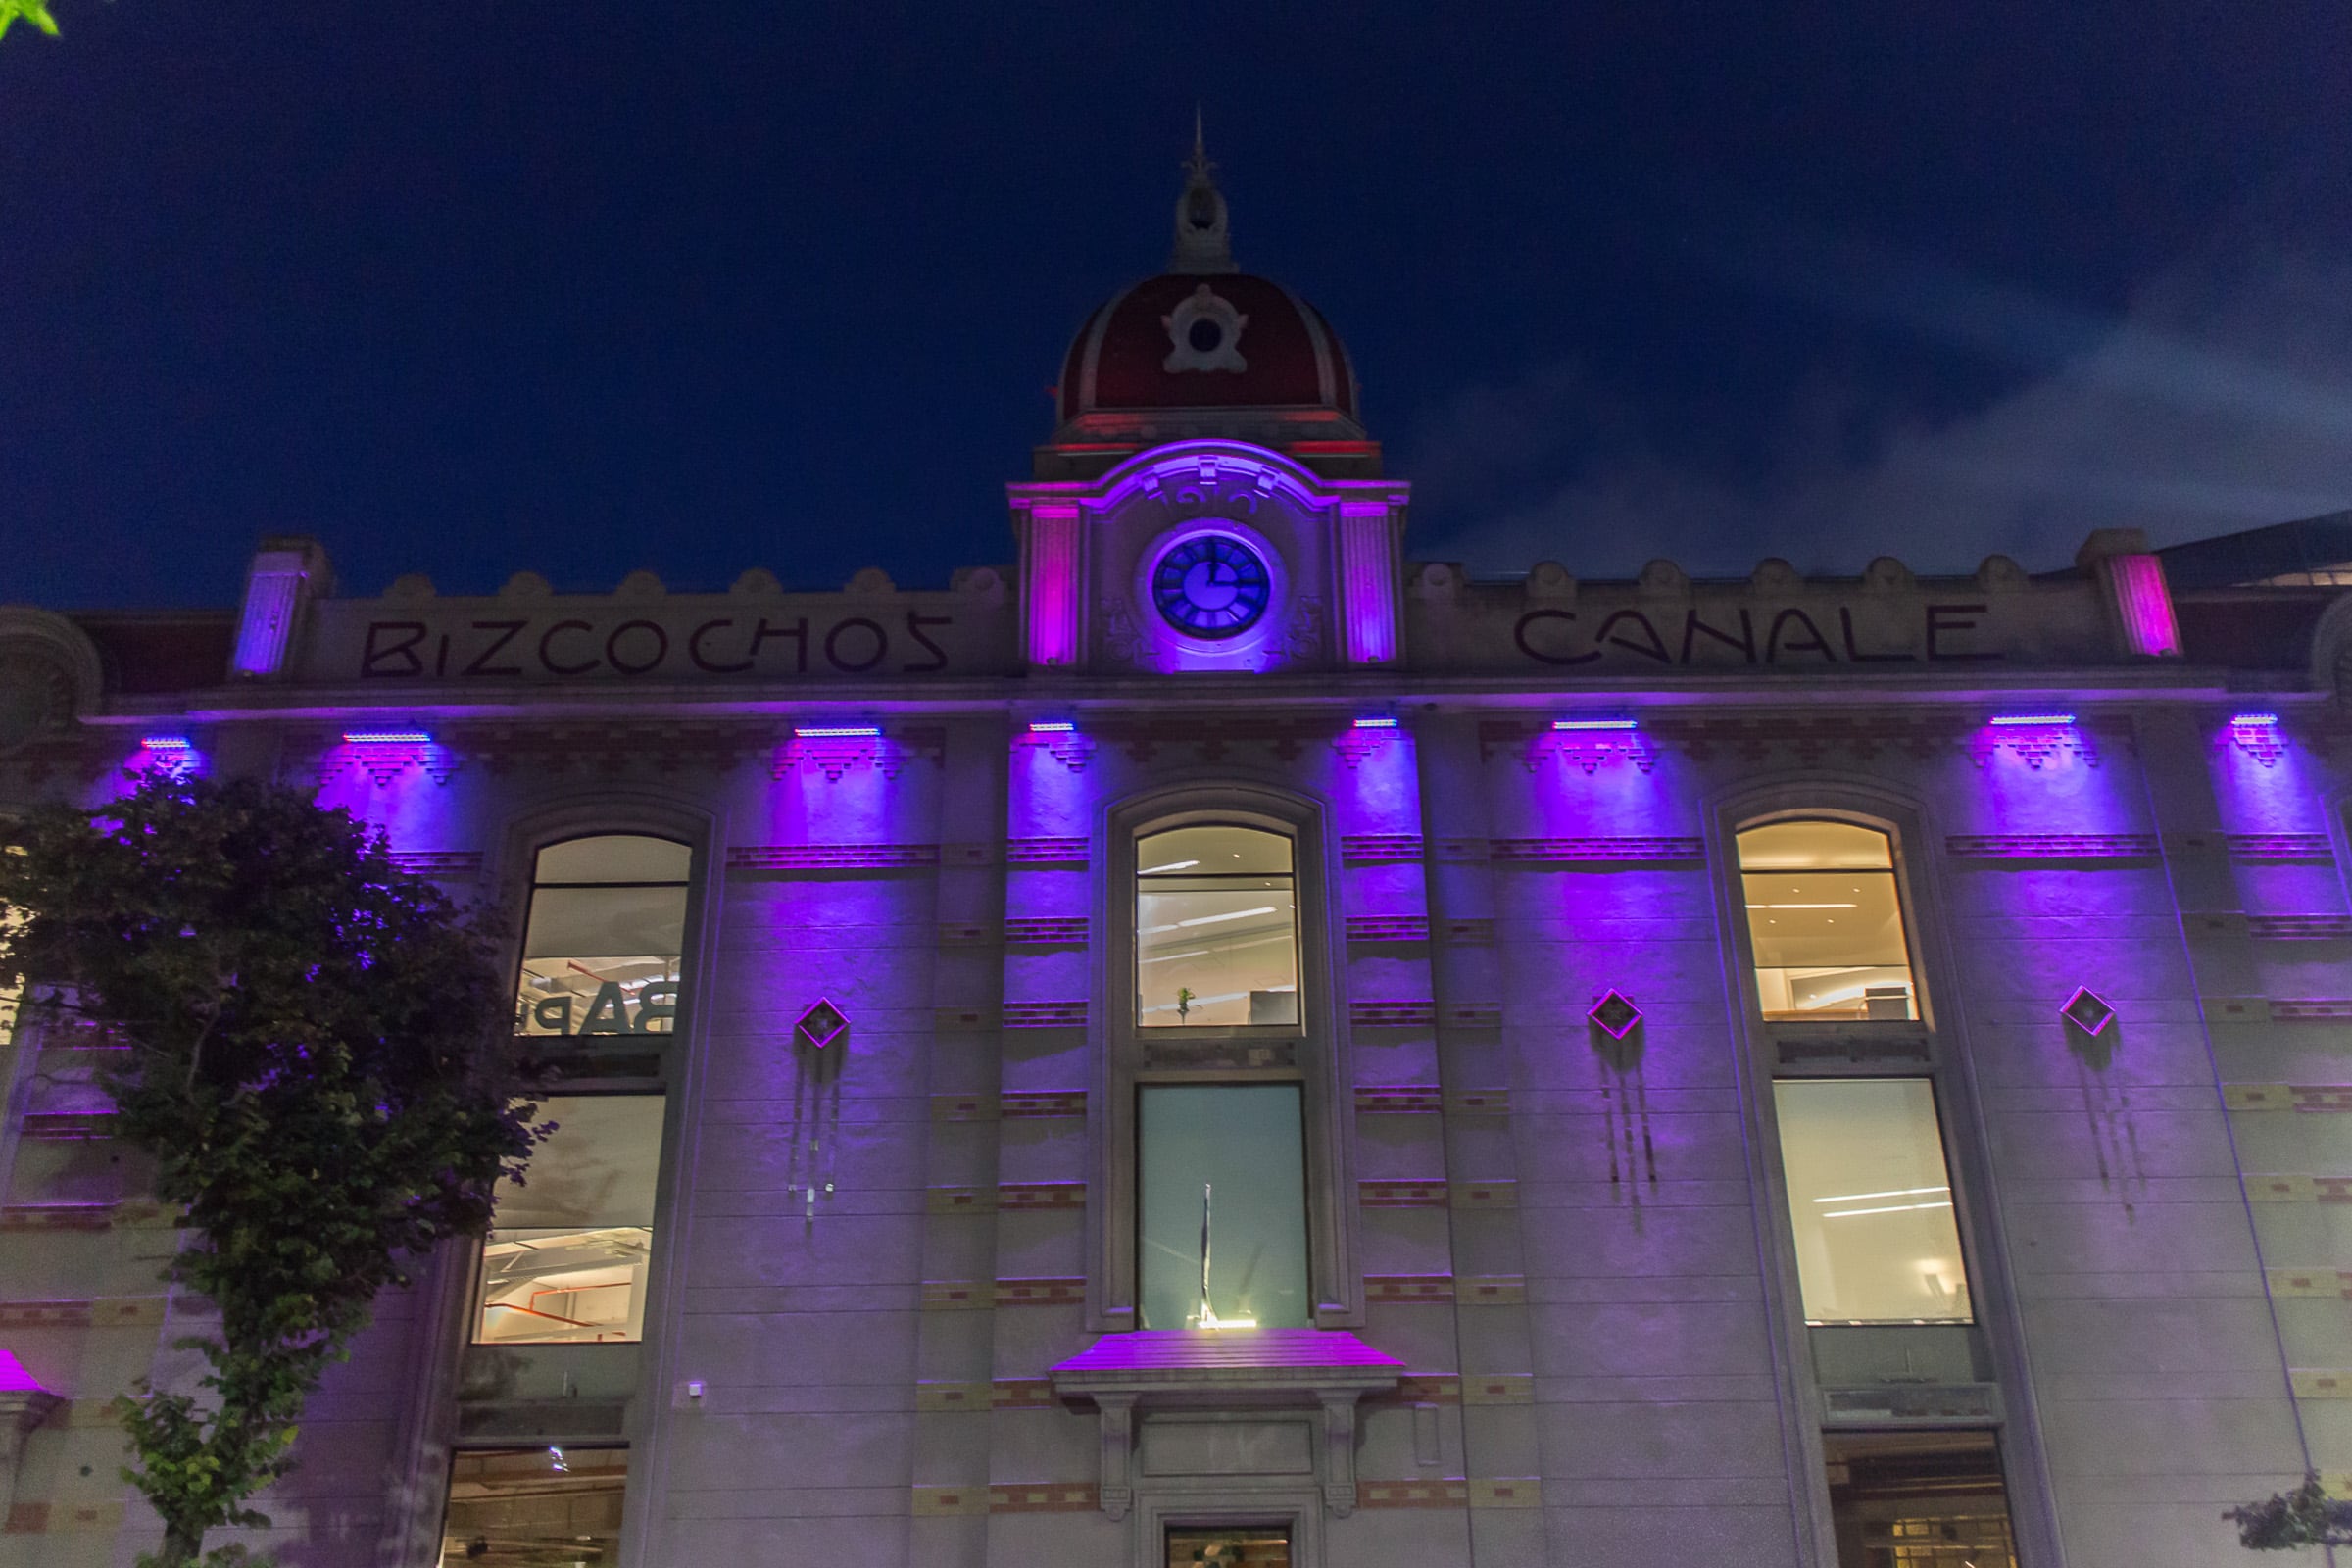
x=318, y=1063
x=35, y=12
x=2304, y=1517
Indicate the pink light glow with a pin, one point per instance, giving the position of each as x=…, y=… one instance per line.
x=13, y=1379
x=1049, y=589
x=2145, y=605
x=1368, y=582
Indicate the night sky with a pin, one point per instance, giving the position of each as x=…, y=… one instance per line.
x=472, y=288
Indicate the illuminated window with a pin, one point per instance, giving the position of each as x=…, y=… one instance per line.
x=1222, y=1206
x=1918, y=1499
x=547, y=1507
x=601, y=953
x=568, y=1260
x=1229, y=1547
x=1825, y=922
x=1216, y=928
x=1871, y=1200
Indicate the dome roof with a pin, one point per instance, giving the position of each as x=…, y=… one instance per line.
x=1205, y=349
x=1246, y=342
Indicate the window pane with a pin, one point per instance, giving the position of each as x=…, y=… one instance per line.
x=1877, y=1241
x=1918, y=1499
x=1216, y=928
x=566, y=1261
x=534, y=1507
x=1223, y=1168
x=1825, y=922
x=1229, y=1547
x=613, y=857
x=602, y=960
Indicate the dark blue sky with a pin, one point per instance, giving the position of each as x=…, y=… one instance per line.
x=472, y=288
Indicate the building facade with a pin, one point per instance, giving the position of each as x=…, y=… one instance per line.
x=1213, y=1043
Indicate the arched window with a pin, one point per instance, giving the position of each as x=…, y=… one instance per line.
x=1825, y=922
x=1216, y=928
x=600, y=951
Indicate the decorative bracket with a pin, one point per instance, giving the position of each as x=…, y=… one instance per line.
x=1119, y=1452
x=1339, y=1452
x=2033, y=744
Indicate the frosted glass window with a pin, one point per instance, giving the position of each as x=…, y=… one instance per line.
x=566, y=1260
x=1825, y=921
x=1222, y=1206
x=528, y=1507
x=1877, y=1240
x=1216, y=928
x=600, y=954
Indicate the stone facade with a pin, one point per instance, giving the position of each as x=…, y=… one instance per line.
x=890, y=1310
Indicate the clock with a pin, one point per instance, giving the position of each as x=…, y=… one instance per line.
x=1212, y=585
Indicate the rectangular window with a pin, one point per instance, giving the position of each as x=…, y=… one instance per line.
x=1229, y=1547
x=1825, y=922
x=566, y=1261
x=1216, y=928
x=534, y=1507
x=1877, y=1241
x=601, y=953
x=1918, y=1499
x=1222, y=1199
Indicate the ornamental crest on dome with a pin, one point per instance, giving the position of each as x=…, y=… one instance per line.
x=1204, y=333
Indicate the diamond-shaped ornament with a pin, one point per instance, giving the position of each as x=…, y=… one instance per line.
x=2088, y=1010
x=1615, y=1015
x=821, y=1024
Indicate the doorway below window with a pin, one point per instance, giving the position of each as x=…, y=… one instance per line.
x=1229, y=1547
x=1918, y=1499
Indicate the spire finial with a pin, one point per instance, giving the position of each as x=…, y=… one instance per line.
x=1203, y=244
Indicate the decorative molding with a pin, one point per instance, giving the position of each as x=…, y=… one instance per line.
x=1454, y=1494
x=967, y=934
x=964, y=1108
x=1047, y=931
x=1464, y=852
x=2280, y=845
x=1486, y=1195
x=65, y=1126
x=1358, y=848
x=835, y=756
x=1064, y=851
x=1017, y=1104
x=384, y=762
x=1397, y=1100
x=1417, y=1290
x=1025, y=1196
x=964, y=1015
x=1479, y=1102
x=1401, y=1194
x=1647, y=849
x=1046, y=1014
x=2265, y=743
x=1387, y=928
x=1491, y=1290
x=2035, y=745
x=1068, y=747
x=959, y=1200
x=1356, y=745
x=2305, y=1098
x=2293, y=1187
x=1049, y=1292
x=100, y=1312
x=2052, y=846
x=2305, y=1010
x=1479, y=932
x=441, y=866
x=957, y=1296
x=2298, y=927
x=1915, y=1402
x=1498, y=1388
x=1074, y=1497
x=831, y=856
x=1471, y=1014
x=1406, y=1014
x=2307, y=1281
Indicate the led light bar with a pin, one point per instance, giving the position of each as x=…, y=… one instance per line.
x=1375, y=723
x=168, y=743
x=835, y=732
x=386, y=737
x=2253, y=720
x=2010, y=720
x=1052, y=726
x=1593, y=723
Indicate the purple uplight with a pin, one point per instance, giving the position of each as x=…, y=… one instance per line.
x=2045, y=720
x=386, y=737
x=1593, y=723
x=1375, y=723
x=168, y=743
x=2253, y=720
x=832, y=732
x=2144, y=605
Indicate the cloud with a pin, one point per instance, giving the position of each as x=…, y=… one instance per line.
x=2220, y=398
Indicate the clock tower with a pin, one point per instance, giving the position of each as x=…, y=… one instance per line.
x=1210, y=501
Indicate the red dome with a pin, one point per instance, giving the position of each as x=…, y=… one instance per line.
x=1190, y=340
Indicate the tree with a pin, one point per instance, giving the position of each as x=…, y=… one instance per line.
x=319, y=1063
x=2304, y=1517
x=35, y=12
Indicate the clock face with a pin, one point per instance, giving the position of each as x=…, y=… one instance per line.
x=1212, y=585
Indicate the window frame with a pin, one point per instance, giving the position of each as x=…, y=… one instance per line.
x=429, y=1419
x=1929, y=1047
x=1126, y=1055
x=1921, y=1000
